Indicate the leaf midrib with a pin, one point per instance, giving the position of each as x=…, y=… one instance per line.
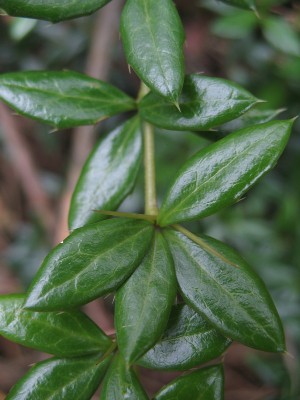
x=189, y=334
x=54, y=392
x=155, y=47
x=158, y=105
x=132, y=137
x=204, y=184
x=138, y=329
x=94, y=259
x=68, y=96
x=57, y=328
x=223, y=289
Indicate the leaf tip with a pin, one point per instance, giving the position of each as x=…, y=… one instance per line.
x=176, y=104
x=287, y=354
x=255, y=10
x=281, y=110
x=281, y=349
x=292, y=120
x=3, y=12
x=289, y=124
x=54, y=130
x=260, y=101
x=279, y=344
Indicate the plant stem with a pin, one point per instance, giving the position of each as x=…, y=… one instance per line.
x=142, y=92
x=149, y=164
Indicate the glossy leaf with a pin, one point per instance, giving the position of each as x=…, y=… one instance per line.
x=153, y=40
x=108, y=176
x=220, y=174
x=254, y=116
x=144, y=302
x=204, y=103
x=188, y=341
x=62, y=99
x=65, y=334
x=247, y=4
x=51, y=10
x=281, y=36
x=220, y=285
x=121, y=382
x=61, y=379
x=92, y=261
x=204, y=384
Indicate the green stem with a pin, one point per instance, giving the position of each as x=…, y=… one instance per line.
x=149, y=164
x=142, y=92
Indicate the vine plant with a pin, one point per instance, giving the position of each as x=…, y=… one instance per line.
x=145, y=259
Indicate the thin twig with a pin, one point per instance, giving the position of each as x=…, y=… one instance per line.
x=25, y=168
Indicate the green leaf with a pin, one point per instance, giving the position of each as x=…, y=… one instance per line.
x=254, y=116
x=61, y=379
x=188, y=341
x=153, y=40
x=247, y=4
x=235, y=26
x=204, y=384
x=51, y=10
x=220, y=174
x=64, y=334
x=92, y=261
x=62, y=99
x=204, y=103
x=121, y=382
x=220, y=285
x=108, y=176
x=144, y=302
x=281, y=36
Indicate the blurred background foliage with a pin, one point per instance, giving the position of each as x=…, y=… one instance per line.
x=262, y=53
